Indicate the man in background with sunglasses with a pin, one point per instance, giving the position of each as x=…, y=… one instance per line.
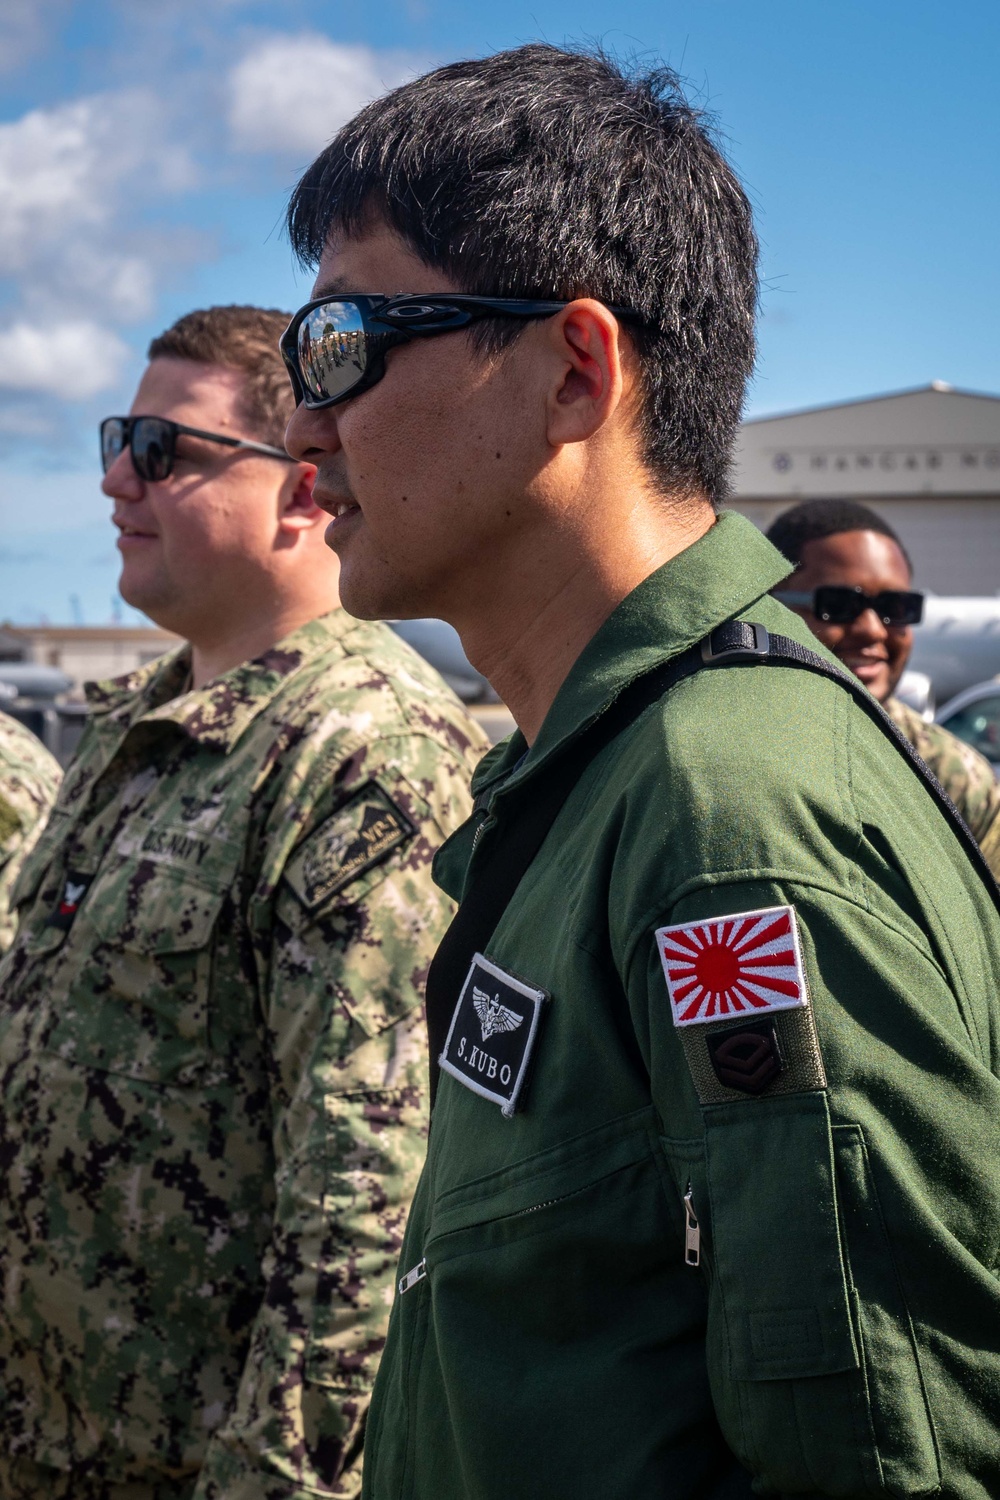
x=712, y=1197
x=853, y=586
x=212, y=1045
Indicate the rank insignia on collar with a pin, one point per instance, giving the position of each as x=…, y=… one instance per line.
x=738, y=999
x=492, y=1033
x=75, y=887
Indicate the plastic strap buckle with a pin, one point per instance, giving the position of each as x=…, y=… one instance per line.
x=736, y=638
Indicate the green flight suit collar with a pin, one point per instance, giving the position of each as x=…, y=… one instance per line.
x=218, y=714
x=718, y=577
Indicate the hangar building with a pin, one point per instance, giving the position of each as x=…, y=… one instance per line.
x=927, y=460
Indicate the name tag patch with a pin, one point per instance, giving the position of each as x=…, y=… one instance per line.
x=738, y=999
x=492, y=1033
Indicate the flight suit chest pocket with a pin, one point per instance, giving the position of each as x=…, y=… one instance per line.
x=145, y=941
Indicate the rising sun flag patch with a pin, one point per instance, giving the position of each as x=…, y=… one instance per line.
x=746, y=964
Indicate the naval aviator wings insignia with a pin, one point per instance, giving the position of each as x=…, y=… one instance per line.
x=492, y=1033
x=493, y=1017
x=738, y=998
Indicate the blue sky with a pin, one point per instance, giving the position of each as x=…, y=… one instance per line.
x=147, y=148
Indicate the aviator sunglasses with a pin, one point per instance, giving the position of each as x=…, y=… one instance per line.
x=152, y=444
x=335, y=347
x=838, y=604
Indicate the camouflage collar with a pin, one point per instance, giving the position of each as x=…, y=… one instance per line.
x=217, y=714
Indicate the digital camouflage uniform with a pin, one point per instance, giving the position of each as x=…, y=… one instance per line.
x=966, y=775
x=213, y=1069
x=29, y=781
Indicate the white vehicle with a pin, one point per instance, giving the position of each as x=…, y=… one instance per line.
x=958, y=643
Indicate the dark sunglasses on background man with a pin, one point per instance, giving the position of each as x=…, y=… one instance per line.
x=152, y=443
x=335, y=347
x=838, y=604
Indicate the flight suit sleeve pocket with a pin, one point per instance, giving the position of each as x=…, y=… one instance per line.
x=779, y=1263
x=900, y=1414
x=813, y=1362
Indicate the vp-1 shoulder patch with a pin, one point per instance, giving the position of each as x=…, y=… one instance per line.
x=492, y=1033
x=353, y=839
x=738, y=997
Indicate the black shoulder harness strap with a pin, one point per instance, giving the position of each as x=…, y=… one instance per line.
x=734, y=643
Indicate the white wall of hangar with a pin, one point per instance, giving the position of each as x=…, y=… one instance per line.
x=928, y=460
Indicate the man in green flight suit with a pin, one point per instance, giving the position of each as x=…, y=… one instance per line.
x=712, y=1197
x=211, y=1035
x=855, y=558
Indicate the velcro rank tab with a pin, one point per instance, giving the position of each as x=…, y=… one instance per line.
x=738, y=1052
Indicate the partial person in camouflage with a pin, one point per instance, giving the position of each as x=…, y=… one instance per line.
x=211, y=1031
x=845, y=545
x=29, y=781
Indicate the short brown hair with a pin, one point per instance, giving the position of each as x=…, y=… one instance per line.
x=245, y=339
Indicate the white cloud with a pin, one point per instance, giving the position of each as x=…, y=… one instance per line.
x=75, y=359
x=69, y=169
x=292, y=93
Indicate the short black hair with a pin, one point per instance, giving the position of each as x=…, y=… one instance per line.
x=818, y=518
x=556, y=174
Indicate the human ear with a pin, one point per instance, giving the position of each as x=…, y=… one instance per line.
x=588, y=384
x=297, y=510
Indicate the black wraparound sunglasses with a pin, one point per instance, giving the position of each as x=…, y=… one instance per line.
x=335, y=347
x=152, y=444
x=839, y=604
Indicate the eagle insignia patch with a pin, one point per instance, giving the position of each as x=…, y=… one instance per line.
x=493, y=1017
x=492, y=1033
x=747, y=964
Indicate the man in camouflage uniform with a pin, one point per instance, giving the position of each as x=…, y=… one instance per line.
x=29, y=780
x=842, y=543
x=211, y=1035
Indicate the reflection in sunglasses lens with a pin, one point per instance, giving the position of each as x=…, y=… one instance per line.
x=332, y=348
x=151, y=450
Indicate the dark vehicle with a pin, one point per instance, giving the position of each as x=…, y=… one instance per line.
x=974, y=716
x=30, y=694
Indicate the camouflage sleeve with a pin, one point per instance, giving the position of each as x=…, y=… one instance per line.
x=968, y=779
x=355, y=919
x=29, y=783
x=966, y=776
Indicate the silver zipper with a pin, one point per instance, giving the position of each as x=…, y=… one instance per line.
x=692, y=1231
x=478, y=834
x=536, y=1206
x=412, y=1277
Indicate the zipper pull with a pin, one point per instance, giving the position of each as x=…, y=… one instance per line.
x=412, y=1277
x=692, y=1232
